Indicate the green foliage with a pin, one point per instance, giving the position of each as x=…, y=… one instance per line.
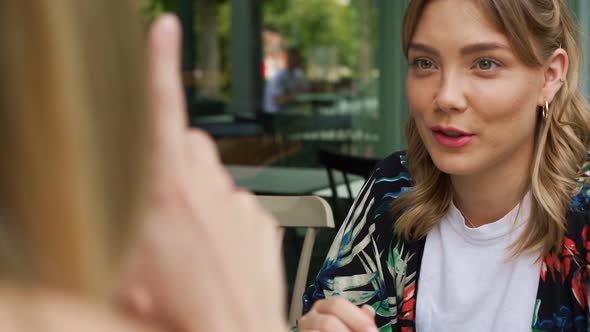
x=153, y=8
x=309, y=23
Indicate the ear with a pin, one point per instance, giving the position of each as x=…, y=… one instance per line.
x=554, y=72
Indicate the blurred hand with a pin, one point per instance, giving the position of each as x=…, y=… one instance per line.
x=207, y=257
x=338, y=315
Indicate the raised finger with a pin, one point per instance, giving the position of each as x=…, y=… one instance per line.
x=165, y=88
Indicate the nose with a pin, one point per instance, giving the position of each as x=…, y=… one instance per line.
x=451, y=94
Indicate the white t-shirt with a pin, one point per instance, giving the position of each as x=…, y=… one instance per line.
x=468, y=280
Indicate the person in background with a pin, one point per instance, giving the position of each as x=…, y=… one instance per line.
x=116, y=216
x=282, y=88
x=482, y=224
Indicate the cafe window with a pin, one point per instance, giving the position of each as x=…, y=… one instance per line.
x=272, y=81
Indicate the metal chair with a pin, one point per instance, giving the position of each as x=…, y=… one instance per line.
x=311, y=212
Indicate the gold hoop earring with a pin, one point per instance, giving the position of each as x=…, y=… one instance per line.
x=545, y=110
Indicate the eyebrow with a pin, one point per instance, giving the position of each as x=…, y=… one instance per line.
x=422, y=47
x=466, y=50
x=476, y=48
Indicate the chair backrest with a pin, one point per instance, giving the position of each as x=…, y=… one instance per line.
x=345, y=164
x=310, y=212
x=361, y=166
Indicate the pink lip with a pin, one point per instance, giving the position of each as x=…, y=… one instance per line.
x=451, y=142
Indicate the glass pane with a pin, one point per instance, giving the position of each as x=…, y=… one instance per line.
x=275, y=80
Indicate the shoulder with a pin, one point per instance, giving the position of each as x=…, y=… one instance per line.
x=393, y=164
x=578, y=217
x=389, y=179
x=581, y=197
x=280, y=75
x=579, y=213
x=391, y=176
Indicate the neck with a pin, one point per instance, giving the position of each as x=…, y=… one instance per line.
x=487, y=197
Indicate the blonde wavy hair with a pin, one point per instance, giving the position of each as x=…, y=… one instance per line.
x=74, y=124
x=535, y=29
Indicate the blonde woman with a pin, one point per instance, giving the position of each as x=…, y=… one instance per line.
x=85, y=169
x=482, y=225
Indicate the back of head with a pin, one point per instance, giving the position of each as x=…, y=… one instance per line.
x=73, y=125
x=535, y=29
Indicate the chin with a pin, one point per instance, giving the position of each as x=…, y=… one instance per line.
x=454, y=163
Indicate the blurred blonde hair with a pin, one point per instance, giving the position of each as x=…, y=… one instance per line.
x=535, y=30
x=73, y=122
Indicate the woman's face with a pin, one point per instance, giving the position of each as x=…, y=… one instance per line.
x=474, y=102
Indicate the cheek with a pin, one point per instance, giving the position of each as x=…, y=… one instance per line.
x=507, y=106
x=419, y=101
x=420, y=94
x=508, y=116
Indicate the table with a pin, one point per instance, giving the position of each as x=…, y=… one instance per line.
x=226, y=125
x=271, y=180
x=355, y=187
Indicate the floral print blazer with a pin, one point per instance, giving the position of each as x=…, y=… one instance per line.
x=368, y=264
